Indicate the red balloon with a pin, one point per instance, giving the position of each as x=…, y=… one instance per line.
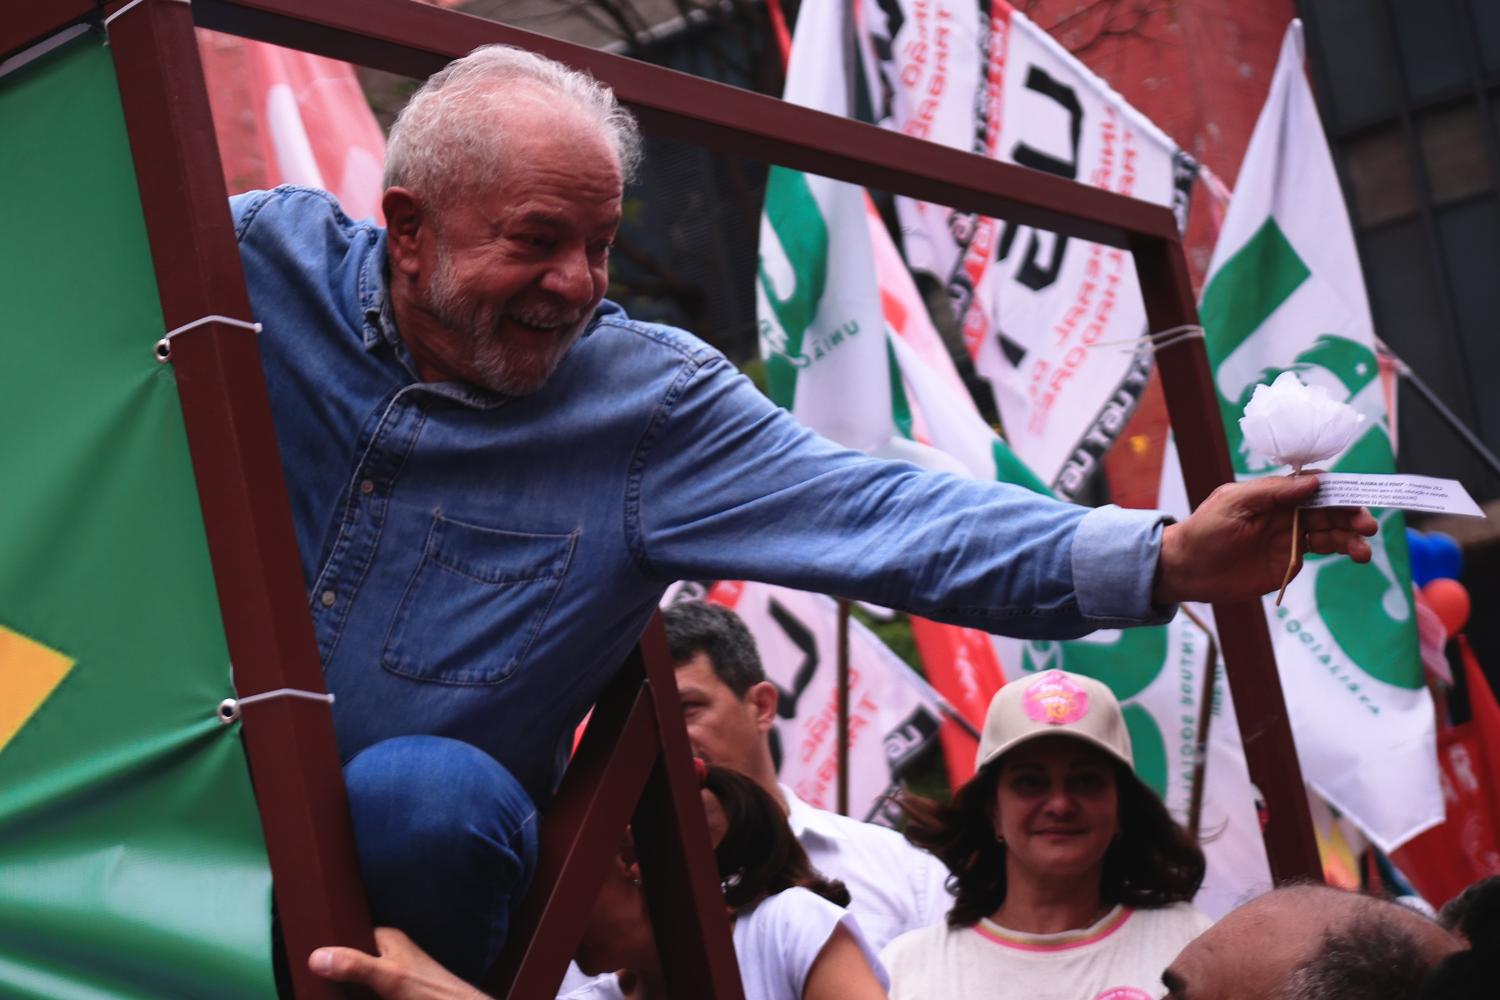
x=1450, y=600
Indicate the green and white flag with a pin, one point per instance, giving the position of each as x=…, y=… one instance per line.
x=131, y=860
x=840, y=318
x=820, y=321
x=1285, y=293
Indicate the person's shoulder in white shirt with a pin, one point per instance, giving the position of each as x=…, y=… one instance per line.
x=779, y=940
x=893, y=887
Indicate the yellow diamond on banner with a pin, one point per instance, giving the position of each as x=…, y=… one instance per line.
x=29, y=672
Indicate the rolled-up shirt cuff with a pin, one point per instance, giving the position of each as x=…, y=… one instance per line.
x=1114, y=565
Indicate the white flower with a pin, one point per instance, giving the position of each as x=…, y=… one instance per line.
x=1298, y=425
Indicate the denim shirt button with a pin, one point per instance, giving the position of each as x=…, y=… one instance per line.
x=327, y=598
x=367, y=487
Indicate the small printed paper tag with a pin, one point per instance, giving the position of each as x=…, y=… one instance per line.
x=1423, y=493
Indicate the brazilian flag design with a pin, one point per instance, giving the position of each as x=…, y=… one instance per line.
x=131, y=858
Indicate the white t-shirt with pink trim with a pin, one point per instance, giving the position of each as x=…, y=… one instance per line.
x=1120, y=957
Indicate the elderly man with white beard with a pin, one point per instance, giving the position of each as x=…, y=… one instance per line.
x=494, y=473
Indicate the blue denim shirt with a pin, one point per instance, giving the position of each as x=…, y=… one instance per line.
x=478, y=566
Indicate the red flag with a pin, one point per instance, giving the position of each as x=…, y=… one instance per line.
x=287, y=117
x=962, y=665
x=1485, y=716
x=1462, y=849
x=1466, y=846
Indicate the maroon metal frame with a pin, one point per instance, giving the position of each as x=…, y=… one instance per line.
x=26, y=24
x=247, y=519
x=637, y=745
x=294, y=760
x=633, y=765
x=415, y=39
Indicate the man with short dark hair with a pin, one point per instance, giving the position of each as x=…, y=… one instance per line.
x=1310, y=942
x=730, y=708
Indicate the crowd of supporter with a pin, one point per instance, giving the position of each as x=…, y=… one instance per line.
x=1053, y=872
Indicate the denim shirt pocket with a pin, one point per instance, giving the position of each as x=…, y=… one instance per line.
x=475, y=603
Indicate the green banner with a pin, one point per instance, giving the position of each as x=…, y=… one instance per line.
x=131, y=858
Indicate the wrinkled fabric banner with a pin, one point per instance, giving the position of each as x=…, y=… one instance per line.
x=851, y=351
x=1043, y=315
x=131, y=859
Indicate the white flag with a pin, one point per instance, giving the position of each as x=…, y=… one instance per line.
x=1285, y=293
x=930, y=419
x=830, y=283
x=821, y=328
x=1032, y=303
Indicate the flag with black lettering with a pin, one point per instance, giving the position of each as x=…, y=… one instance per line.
x=1047, y=319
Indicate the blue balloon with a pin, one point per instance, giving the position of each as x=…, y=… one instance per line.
x=1420, y=553
x=1445, y=558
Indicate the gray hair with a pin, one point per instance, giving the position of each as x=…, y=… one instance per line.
x=1371, y=957
x=445, y=137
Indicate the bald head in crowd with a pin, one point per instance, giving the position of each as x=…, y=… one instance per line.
x=1311, y=943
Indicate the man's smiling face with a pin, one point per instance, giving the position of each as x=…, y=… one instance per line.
x=511, y=272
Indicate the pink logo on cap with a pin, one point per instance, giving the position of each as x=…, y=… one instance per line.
x=1053, y=698
x=1124, y=993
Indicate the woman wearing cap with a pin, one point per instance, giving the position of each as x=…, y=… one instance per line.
x=1072, y=881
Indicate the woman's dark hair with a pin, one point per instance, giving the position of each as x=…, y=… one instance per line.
x=759, y=856
x=1154, y=862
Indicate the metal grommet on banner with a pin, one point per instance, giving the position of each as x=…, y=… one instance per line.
x=229, y=708
x=163, y=348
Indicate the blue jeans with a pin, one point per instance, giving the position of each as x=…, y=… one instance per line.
x=447, y=845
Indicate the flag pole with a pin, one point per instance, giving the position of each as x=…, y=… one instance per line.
x=1449, y=417
x=843, y=707
x=1205, y=719
x=850, y=82
x=951, y=714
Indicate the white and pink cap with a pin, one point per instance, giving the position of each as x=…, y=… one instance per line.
x=1054, y=703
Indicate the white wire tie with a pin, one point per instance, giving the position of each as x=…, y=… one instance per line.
x=1156, y=341
x=130, y=6
x=163, y=347
x=229, y=708
x=1175, y=335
